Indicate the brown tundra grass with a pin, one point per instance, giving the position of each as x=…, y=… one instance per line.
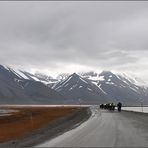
x=28, y=119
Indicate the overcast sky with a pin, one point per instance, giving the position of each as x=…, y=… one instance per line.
x=54, y=37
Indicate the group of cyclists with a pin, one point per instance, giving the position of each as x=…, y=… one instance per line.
x=111, y=106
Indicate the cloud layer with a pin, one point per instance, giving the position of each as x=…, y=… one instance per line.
x=74, y=36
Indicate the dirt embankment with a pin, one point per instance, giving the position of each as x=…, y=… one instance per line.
x=32, y=126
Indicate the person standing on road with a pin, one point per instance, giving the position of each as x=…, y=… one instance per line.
x=119, y=105
x=113, y=106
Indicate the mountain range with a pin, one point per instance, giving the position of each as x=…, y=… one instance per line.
x=21, y=87
x=92, y=88
x=18, y=87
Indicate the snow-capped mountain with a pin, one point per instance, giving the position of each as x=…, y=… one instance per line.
x=89, y=74
x=96, y=77
x=109, y=87
x=80, y=90
x=120, y=87
x=48, y=80
x=62, y=76
x=17, y=86
x=132, y=79
x=22, y=88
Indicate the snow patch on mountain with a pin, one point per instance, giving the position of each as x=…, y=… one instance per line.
x=101, y=89
x=6, y=67
x=132, y=79
x=66, y=81
x=109, y=83
x=83, y=80
x=89, y=89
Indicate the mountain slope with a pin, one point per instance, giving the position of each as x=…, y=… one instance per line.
x=91, y=88
x=121, y=88
x=14, y=88
x=48, y=80
x=22, y=87
x=80, y=90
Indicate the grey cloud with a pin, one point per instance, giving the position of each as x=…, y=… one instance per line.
x=51, y=35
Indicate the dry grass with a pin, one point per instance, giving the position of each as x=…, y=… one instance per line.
x=29, y=119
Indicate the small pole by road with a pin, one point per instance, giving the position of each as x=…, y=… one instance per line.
x=142, y=106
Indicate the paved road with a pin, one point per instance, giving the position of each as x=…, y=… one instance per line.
x=106, y=129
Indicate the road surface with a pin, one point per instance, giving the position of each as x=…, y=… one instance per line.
x=106, y=129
